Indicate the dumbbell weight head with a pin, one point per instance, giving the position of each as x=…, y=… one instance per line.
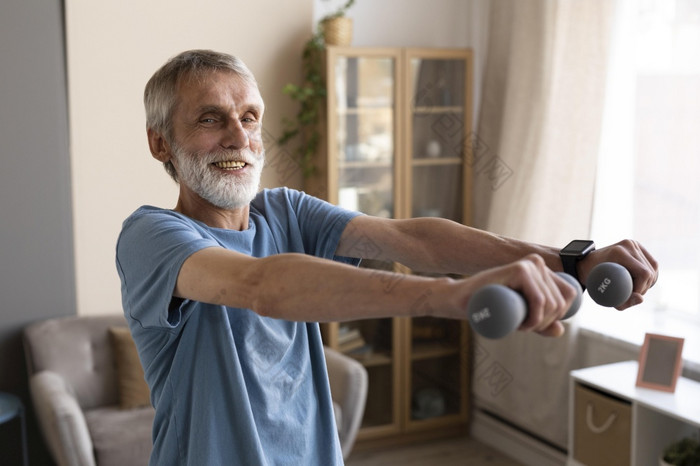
x=496, y=310
x=609, y=284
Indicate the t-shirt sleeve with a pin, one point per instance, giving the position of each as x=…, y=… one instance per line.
x=321, y=224
x=150, y=251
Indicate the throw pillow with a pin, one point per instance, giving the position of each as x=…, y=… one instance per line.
x=133, y=390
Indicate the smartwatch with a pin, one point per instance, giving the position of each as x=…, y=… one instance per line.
x=574, y=252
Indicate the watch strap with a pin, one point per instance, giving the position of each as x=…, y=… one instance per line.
x=570, y=263
x=572, y=254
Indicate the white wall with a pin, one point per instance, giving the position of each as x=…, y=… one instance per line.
x=405, y=23
x=113, y=47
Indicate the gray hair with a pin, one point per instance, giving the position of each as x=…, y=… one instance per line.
x=160, y=95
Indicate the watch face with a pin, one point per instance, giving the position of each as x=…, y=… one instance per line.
x=578, y=247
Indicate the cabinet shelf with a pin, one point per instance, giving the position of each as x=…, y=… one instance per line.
x=423, y=351
x=432, y=161
x=361, y=164
x=373, y=359
x=364, y=110
x=437, y=110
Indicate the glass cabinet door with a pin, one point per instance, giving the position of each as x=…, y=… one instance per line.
x=437, y=177
x=438, y=125
x=437, y=369
x=362, y=162
x=371, y=343
x=363, y=110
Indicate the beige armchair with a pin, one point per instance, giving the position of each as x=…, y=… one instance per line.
x=74, y=388
x=348, y=379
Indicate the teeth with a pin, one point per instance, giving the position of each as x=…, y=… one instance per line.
x=230, y=165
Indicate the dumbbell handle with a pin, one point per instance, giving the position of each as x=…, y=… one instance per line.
x=495, y=311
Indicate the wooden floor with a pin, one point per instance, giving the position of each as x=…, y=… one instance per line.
x=453, y=452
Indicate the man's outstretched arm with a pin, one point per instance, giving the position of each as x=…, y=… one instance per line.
x=305, y=288
x=443, y=246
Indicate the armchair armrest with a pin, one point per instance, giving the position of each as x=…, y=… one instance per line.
x=348, y=381
x=61, y=420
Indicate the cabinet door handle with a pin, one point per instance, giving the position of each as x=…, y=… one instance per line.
x=598, y=429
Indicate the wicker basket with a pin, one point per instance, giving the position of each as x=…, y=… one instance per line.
x=338, y=31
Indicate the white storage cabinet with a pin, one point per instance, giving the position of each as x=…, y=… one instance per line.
x=656, y=418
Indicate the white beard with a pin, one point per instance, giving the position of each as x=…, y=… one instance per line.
x=196, y=172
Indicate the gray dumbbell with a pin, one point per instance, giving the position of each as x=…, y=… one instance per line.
x=609, y=284
x=495, y=311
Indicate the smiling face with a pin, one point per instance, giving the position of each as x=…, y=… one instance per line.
x=216, y=145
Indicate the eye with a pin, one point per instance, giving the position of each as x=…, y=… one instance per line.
x=250, y=122
x=249, y=116
x=209, y=118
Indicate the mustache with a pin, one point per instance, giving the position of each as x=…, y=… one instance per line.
x=207, y=157
x=243, y=155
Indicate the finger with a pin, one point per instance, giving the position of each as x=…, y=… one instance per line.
x=555, y=303
x=535, y=293
x=653, y=266
x=562, y=295
x=640, y=263
x=544, y=298
x=569, y=292
x=556, y=329
x=635, y=299
x=535, y=311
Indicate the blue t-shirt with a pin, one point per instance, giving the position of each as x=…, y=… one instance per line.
x=229, y=386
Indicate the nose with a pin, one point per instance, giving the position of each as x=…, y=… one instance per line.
x=235, y=136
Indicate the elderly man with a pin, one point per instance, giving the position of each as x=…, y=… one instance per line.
x=224, y=292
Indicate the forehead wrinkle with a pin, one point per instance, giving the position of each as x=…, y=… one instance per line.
x=248, y=102
x=206, y=108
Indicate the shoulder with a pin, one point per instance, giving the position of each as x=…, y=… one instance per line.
x=156, y=218
x=154, y=228
x=288, y=199
x=277, y=197
x=151, y=213
x=278, y=203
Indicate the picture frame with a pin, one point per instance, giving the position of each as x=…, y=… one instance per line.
x=660, y=362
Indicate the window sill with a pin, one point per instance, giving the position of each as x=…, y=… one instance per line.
x=630, y=326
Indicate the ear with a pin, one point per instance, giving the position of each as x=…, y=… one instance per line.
x=160, y=149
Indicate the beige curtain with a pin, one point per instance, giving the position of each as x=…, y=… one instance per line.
x=534, y=169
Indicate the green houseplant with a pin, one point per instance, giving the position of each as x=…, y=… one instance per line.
x=311, y=97
x=685, y=452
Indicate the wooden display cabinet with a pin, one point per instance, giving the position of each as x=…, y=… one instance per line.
x=398, y=145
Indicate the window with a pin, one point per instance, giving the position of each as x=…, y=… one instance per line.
x=648, y=186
